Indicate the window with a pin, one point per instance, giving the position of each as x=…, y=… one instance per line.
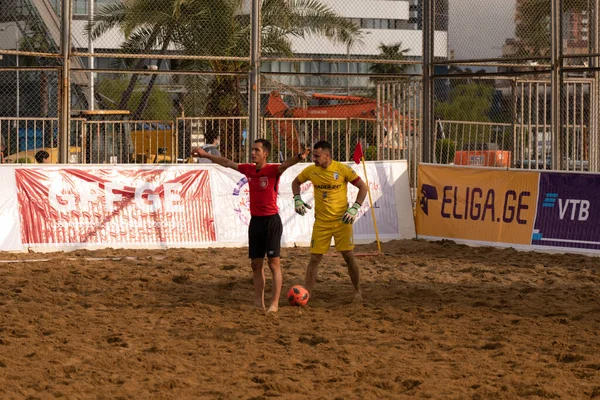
x=369, y=23
x=285, y=66
x=80, y=7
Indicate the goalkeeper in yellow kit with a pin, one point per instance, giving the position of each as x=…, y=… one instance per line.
x=333, y=215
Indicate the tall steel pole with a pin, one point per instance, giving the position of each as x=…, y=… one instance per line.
x=253, y=130
x=427, y=100
x=91, y=58
x=65, y=92
x=556, y=83
x=18, y=80
x=595, y=104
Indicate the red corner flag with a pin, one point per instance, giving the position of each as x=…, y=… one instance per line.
x=358, y=153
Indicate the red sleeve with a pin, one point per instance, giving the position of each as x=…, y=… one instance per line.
x=245, y=168
x=273, y=169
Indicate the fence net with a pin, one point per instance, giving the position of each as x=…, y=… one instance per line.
x=171, y=75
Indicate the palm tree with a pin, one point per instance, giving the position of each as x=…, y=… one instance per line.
x=148, y=25
x=216, y=28
x=281, y=21
x=393, y=52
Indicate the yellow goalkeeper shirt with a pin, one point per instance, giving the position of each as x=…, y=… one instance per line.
x=331, y=189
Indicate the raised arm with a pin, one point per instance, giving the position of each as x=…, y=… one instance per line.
x=225, y=162
x=293, y=160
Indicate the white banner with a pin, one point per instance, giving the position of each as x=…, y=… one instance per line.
x=388, y=182
x=229, y=215
x=10, y=226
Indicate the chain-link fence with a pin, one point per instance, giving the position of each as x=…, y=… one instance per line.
x=475, y=82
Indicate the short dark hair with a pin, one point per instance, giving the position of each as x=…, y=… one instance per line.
x=322, y=144
x=41, y=155
x=210, y=137
x=265, y=144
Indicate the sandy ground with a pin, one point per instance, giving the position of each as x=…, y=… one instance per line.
x=439, y=320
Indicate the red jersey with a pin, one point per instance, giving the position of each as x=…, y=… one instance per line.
x=264, y=185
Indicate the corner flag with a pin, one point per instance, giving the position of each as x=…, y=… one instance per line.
x=358, y=157
x=358, y=153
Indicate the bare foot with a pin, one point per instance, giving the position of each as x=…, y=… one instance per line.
x=259, y=306
x=273, y=308
x=357, y=297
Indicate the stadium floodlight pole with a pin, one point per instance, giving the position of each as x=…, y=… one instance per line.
x=254, y=75
x=65, y=92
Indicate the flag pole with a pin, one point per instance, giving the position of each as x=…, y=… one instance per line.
x=371, y=202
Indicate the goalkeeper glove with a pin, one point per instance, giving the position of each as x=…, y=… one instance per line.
x=350, y=214
x=300, y=206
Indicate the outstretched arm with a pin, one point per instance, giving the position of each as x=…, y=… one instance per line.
x=198, y=152
x=293, y=160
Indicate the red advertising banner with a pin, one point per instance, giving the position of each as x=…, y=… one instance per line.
x=125, y=206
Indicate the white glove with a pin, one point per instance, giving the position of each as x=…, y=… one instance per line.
x=300, y=206
x=350, y=214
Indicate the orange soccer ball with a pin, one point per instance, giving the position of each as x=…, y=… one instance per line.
x=298, y=296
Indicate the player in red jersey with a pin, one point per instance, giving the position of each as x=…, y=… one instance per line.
x=265, y=230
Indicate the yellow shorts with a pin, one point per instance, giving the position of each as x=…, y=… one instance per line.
x=321, y=237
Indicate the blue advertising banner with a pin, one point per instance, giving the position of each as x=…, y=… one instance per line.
x=568, y=211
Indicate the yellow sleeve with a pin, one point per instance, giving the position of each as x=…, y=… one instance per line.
x=305, y=174
x=349, y=174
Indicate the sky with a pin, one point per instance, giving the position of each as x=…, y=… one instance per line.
x=478, y=28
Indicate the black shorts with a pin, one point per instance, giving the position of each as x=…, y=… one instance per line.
x=264, y=236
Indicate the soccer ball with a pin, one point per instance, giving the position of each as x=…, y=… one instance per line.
x=298, y=296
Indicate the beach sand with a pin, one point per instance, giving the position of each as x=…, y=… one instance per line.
x=438, y=320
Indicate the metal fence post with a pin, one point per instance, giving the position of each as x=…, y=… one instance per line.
x=65, y=92
x=255, y=50
x=556, y=82
x=594, y=63
x=427, y=100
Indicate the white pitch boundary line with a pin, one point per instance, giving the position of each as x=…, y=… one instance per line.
x=84, y=258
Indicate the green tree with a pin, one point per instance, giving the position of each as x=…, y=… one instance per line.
x=444, y=151
x=282, y=20
x=216, y=28
x=148, y=25
x=468, y=102
x=159, y=101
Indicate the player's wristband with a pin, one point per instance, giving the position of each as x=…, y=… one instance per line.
x=299, y=156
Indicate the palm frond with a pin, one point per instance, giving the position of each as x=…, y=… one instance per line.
x=107, y=17
x=303, y=18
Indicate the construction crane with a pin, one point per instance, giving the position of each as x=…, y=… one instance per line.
x=348, y=107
